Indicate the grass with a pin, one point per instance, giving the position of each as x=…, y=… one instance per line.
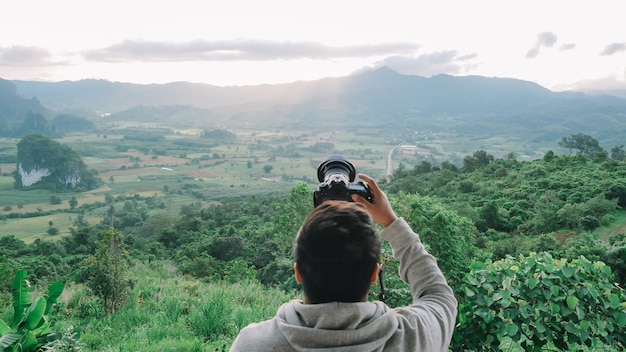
x=169, y=312
x=30, y=229
x=166, y=311
x=617, y=226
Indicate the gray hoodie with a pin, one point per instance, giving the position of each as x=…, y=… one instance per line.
x=426, y=325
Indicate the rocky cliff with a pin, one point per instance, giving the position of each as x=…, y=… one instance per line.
x=44, y=162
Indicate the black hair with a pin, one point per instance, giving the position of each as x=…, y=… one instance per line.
x=337, y=250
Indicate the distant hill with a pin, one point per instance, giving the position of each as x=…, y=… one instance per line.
x=14, y=107
x=43, y=162
x=20, y=116
x=382, y=97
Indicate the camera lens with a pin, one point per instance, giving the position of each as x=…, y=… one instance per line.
x=335, y=166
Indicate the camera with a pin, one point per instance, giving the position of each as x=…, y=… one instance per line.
x=336, y=175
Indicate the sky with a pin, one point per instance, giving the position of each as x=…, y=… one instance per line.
x=558, y=44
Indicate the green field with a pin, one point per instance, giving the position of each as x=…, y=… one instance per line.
x=195, y=170
x=192, y=170
x=30, y=229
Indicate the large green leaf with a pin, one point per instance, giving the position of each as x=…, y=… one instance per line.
x=35, y=313
x=621, y=319
x=30, y=343
x=8, y=340
x=572, y=302
x=4, y=328
x=54, y=291
x=21, y=296
x=512, y=329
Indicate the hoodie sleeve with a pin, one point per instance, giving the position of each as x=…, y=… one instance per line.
x=430, y=319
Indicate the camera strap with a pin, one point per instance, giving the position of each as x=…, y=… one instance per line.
x=381, y=294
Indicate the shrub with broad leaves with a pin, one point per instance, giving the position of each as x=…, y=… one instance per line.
x=539, y=302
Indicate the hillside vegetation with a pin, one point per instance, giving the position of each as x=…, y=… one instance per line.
x=183, y=233
x=504, y=232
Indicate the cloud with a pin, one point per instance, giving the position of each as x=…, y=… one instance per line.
x=449, y=62
x=613, y=82
x=613, y=49
x=248, y=50
x=567, y=46
x=547, y=39
x=19, y=55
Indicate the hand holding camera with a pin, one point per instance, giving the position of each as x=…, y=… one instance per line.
x=378, y=206
x=336, y=176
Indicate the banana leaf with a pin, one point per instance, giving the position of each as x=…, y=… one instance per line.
x=21, y=296
x=54, y=291
x=8, y=340
x=4, y=328
x=35, y=314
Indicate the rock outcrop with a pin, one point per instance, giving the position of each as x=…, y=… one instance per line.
x=43, y=161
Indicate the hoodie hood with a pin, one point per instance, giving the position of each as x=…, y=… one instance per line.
x=364, y=326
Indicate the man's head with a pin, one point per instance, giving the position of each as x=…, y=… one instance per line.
x=337, y=253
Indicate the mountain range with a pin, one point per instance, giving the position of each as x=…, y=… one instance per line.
x=381, y=97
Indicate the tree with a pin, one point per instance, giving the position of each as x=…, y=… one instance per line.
x=73, y=202
x=585, y=144
x=549, y=156
x=490, y=217
x=423, y=168
x=618, y=153
x=107, y=271
x=268, y=168
x=290, y=215
x=483, y=158
x=478, y=159
x=450, y=237
x=600, y=156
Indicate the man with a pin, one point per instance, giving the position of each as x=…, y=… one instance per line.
x=336, y=254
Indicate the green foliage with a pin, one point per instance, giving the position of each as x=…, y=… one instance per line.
x=585, y=144
x=537, y=302
x=107, y=271
x=478, y=159
x=73, y=202
x=527, y=198
x=36, y=123
x=66, y=168
x=290, y=216
x=167, y=311
x=70, y=123
x=30, y=330
x=448, y=236
x=219, y=135
x=618, y=153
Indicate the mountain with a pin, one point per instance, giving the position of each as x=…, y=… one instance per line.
x=380, y=98
x=13, y=107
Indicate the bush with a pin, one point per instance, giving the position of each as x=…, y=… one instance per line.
x=108, y=271
x=538, y=302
